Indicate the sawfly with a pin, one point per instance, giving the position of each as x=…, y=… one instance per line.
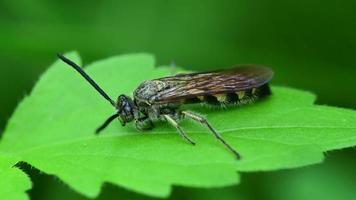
x=160, y=99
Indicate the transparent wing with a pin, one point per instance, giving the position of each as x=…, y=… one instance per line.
x=184, y=86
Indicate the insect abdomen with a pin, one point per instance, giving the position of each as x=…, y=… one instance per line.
x=233, y=98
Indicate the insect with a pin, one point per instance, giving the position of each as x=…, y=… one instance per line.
x=160, y=99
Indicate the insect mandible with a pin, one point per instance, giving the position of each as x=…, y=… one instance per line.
x=160, y=99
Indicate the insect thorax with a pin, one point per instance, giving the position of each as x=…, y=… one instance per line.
x=145, y=93
x=147, y=90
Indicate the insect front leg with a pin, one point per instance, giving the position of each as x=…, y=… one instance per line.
x=203, y=121
x=143, y=124
x=174, y=123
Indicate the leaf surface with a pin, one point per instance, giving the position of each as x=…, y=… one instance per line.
x=13, y=182
x=53, y=130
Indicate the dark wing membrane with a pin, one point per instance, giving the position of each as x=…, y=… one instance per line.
x=185, y=86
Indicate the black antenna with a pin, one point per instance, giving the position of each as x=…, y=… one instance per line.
x=87, y=77
x=106, y=123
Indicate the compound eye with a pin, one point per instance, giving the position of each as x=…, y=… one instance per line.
x=127, y=108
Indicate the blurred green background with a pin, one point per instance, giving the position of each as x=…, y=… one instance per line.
x=310, y=45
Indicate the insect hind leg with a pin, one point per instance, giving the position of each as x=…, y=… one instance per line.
x=205, y=122
x=181, y=132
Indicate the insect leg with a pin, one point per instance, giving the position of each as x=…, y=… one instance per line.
x=143, y=124
x=202, y=120
x=179, y=129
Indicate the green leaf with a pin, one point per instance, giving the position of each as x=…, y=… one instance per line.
x=53, y=130
x=13, y=182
